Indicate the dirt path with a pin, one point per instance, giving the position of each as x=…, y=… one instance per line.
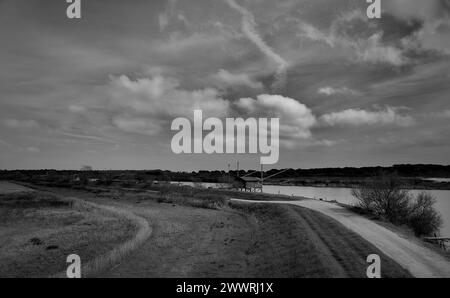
x=102, y=262
x=417, y=259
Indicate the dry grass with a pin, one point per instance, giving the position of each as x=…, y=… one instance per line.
x=183, y=196
x=39, y=230
x=32, y=199
x=223, y=239
x=102, y=262
x=319, y=246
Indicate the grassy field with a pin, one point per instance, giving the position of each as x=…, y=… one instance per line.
x=198, y=233
x=314, y=245
x=38, y=230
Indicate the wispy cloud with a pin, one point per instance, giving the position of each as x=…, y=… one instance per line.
x=249, y=29
x=4, y=143
x=357, y=117
x=330, y=91
x=227, y=79
x=86, y=137
x=367, y=45
x=30, y=149
x=20, y=124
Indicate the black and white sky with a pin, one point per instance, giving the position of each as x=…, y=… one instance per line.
x=103, y=90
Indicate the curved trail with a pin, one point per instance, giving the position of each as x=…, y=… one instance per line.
x=102, y=262
x=417, y=259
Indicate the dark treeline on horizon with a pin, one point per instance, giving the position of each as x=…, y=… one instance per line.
x=405, y=170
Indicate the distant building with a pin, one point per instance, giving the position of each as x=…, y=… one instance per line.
x=252, y=184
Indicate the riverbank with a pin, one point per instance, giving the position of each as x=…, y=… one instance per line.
x=234, y=239
x=411, y=254
x=343, y=182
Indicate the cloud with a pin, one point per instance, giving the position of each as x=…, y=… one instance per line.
x=307, y=143
x=4, y=143
x=29, y=149
x=139, y=125
x=434, y=35
x=373, y=50
x=77, y=109
x=352, y=30
x=194, y=43
x=86, y=137
x=170, y=16
x=163, y=21
x=434, y=16
x=20, y=124
x=443, y=114
x=417, y=9
x=296, y=119
x=227, y=79
x=329, y=91
x=161, y=96
x=356, y=117
x=145, y=105
x=249, y=29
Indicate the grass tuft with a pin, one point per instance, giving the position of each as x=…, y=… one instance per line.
x=31, y=199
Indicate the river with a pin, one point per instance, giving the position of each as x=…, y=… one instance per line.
x=343, y=195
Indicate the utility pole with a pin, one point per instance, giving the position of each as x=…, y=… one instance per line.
x=262, y=173
x=237, y=167
x=262, y=177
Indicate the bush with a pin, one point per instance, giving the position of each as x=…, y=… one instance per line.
x=423, y=218
x=386, y=197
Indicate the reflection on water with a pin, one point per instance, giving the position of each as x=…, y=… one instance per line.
x=437, y=179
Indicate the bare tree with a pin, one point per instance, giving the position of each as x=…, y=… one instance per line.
x=384, y=196
x=424, y=219
x=387, y=197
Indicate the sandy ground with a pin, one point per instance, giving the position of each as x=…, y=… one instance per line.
x=419, y=260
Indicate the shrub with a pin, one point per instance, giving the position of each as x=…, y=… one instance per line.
x=386, y=197
x=423, y=218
